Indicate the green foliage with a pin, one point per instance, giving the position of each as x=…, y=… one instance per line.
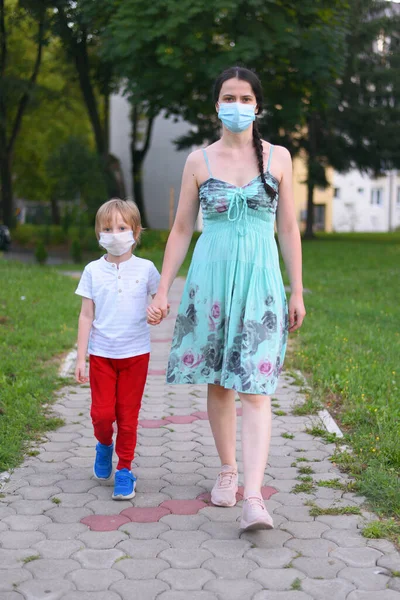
x=387, y=528
x=41, y=253
x=76, y=251
x=39, y=321
x=317, y=511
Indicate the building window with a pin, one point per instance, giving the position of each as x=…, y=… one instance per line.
x=398, y=196
x=360, y=190
x=377, y=196
x=336, y=192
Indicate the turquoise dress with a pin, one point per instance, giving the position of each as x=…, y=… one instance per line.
x=232, y=324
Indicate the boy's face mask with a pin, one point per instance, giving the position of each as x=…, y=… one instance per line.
x=117, y=243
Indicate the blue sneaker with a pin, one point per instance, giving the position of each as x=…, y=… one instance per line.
x=124, y=485
x=102, y=468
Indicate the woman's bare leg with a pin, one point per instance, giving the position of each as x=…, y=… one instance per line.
x=256, y=437
x=222, y=414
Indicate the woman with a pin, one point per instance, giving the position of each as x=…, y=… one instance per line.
x=233, y=320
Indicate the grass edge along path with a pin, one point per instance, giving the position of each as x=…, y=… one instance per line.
x=348, y=350
x=38, y=323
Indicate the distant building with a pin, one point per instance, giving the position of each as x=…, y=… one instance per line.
x=361, y=203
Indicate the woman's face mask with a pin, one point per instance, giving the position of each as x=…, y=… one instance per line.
x=117, y=243
x=236, y=117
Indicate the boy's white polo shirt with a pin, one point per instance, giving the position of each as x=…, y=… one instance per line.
x=120, y=295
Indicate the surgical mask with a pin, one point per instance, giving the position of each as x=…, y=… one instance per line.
x=236, y=117
x=117, y=243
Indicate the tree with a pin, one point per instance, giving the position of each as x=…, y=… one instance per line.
x=184, y=44
x=17, y=88
x=79, y=25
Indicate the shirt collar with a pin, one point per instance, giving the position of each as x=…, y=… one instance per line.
x=113, y=266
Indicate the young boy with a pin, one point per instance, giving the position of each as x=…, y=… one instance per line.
x=112, y=323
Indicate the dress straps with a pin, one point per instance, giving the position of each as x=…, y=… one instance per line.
x=270, y=156
x=207, y=163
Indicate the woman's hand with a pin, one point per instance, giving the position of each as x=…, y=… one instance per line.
x=158, y=309
x=80, y=371
x=297, y=311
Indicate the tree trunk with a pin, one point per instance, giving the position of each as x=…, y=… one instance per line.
x=137, y=183
x=7, y=200
x=55, y=211
x=309, y=232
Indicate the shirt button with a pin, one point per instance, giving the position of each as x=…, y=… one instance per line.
x=137, y=280
x=113, y=266
x=119, y=276
x=120, y=291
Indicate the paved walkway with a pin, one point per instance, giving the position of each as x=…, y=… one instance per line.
x=61, y=535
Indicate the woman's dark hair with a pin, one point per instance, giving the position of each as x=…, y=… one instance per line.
x=251, y=78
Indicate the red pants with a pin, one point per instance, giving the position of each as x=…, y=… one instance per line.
x=117, y=386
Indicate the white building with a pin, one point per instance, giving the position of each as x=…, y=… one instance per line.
x=361, y=203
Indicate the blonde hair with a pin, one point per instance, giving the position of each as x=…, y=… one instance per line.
x=128, y=211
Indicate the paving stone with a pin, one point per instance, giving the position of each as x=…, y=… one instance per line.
x=183, y=467
x=234, y=568
x=382, y=545
x=137, y=568
x=59, y=531
x=394, y=584
x=216, y=513
x=188, y=540
x=327, y=568
x=95, y=580
x=74, y=500
x=305, y=530
x=287, y=499
x=266, y=539
x=185, y=479
x=292, y=595
x=98, y=559
x=142, y=590
x=179, y=558
x=11, y=596
x=340, y=521
x=348, y=538
x=295, y=513
x=374, y=578
x=175, y=595
x=107, y=595
x=54, y=457
x=11, y=577
x=67, y=515
x=107, y=507
x=99, y=540
x=390, y=561
x=143, y=548
x=276, y=579
x=150, y=461
x=184, y=522
x=49, y=588
x=26, y=523
x=144, y=531
x=233, y=589
x=186, y=579
x=44, y=568
x=180, y=492
x=53, y=548
x=103, y=491
x=362, y=557
x=227, y=548
x=382, y=595
x=271, y=559
x=312, y=548
x=31, y=507
x=19, y=540
x=334, y=589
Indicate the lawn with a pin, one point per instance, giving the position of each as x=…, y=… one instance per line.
x=349, y=349
x=38, y=319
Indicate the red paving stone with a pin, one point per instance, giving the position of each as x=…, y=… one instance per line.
x=184, y=507
x=181, y=419
x=152, y=423
x=105, y=522
x=145, y=515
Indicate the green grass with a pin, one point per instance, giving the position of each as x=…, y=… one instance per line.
x=305, y=470
x=316, y=511
x=309, y=407
x=296, y=584
x=288, y=436
x=349, y=350
x=387, y=528
x=280, y=413
x=305, y=487
x=33, y=331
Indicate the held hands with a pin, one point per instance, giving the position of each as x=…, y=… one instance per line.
x=158, y=310
x=297, y=312
x=80, y=372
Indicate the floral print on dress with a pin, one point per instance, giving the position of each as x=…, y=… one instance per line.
x=232, y=324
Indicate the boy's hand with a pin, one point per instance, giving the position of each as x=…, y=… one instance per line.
x=155, y=315
x=80, y=371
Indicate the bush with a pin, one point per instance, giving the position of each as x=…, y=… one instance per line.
x=41, y=253
x=76, y=251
